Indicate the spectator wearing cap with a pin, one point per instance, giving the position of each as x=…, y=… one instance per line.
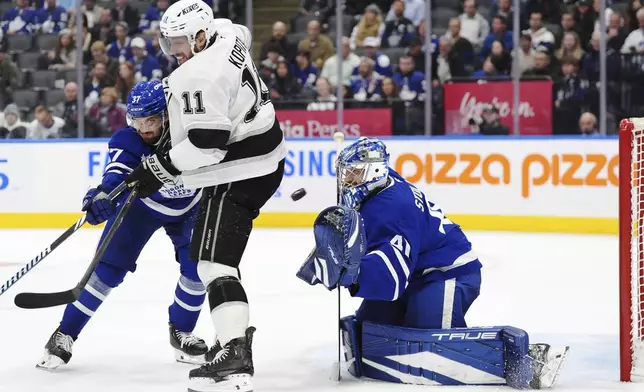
x=459, y=45
x=120, y=48
x=370, y=25
x=542, y=38
x=490, y=123
x=569, y=93
x=62, y=57
x=304, y=71
x=410, y=83
x=278, y=37
x=51, y=18
x=149, y=23
x=585, y=17
x=13, y=127
x=123, y=12
x=22, y=19
x=45, y=126
x=474, y=27
x=349, y=60
x=588, y=124
x=416, y=52
x=414, y=10
x=92, y=12
x=106, y=116
x=324, y=99
x=366, y=86
x=398, y=31
x=103, y=30
x=635, y=41
x=99, y=55
x=9, y=78
x=499, y=33
x=526, y=53
x=382, y=63
x=319, y=45
x=146, y=65
x=268, y=66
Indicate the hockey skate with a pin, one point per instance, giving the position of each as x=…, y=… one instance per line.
x=58, y=351
x=547, y=364
x=188, y=348
x=230, y=370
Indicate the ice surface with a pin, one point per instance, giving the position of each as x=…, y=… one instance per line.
x=562, y=289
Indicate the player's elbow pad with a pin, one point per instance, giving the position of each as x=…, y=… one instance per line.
x=208, y=138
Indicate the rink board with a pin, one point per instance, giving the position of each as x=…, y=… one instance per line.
x=538, y=184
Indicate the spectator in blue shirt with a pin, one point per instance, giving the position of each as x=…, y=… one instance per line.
x=410, y=83
x=20, y=20
x=146, y=65
x=150, y=21
x=398, y=31
x=52, y=18
x=367, y=85
x=499, y=32
x=304, y=71
x=120, y=49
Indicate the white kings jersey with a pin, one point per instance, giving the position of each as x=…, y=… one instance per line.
x=220, y=89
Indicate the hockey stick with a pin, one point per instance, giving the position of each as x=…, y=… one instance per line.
x=68, y=233
x=46, y=300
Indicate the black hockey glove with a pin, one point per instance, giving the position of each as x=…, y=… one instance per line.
x=152, y=174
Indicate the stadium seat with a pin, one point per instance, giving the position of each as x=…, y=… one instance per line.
x=394, y=54
x=53, y=97
x=347, y=24
x=69, y=75
x=295, y=38
x=5, y=6
x=44, y=80
x=484, y=11
x=446, y=4
x=19, y=43
x=28, y=60
x=24, y=79
x=26, y=99
x=46, y=42
x=141, y=6
x=300, y=23
x=441, y=17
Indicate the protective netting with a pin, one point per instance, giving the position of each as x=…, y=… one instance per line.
x=637, y=250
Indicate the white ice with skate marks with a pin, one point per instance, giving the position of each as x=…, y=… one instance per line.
x=560, y=288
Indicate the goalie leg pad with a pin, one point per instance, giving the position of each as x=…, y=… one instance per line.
x=350, y=328
x=473, y=356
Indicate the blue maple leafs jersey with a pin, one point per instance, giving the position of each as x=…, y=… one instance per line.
x=409, y=238
x=127, y=150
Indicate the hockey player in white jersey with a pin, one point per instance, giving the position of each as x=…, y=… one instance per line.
x=226, y=140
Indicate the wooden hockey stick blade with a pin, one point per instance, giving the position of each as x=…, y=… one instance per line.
x=47, y=300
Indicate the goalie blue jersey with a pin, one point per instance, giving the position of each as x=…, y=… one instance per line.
x=127, y=150
x=409, y=241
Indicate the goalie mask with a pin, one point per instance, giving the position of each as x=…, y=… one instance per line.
x=362, y=168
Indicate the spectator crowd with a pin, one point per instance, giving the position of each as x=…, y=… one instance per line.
x=382, y=54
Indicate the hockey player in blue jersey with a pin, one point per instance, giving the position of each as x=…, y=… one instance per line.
x=418, y=275
x=173, y=208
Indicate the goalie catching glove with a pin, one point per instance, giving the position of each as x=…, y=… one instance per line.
x=339, y=246
x=155, y=171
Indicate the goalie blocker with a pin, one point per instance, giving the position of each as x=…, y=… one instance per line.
x=458, y=356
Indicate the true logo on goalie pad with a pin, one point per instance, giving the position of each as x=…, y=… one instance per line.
x=467, y=336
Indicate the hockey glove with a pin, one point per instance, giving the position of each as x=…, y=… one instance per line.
x=97, y=206
x=340, y=244
x=152, y=174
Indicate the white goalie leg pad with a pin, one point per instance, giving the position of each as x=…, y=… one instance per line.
x=229, y=312
x=234, y=382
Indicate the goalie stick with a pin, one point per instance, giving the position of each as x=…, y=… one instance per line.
x=44, y=253
x=336, y=375
x=46, y=300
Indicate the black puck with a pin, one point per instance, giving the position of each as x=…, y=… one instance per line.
x=298, y=194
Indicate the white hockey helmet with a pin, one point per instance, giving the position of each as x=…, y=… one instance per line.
x=186, y=18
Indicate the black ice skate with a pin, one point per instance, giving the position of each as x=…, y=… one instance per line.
x=547, y=363
x=212, y=353
x=58, y=351
x=188, y=348
x=230, y=370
